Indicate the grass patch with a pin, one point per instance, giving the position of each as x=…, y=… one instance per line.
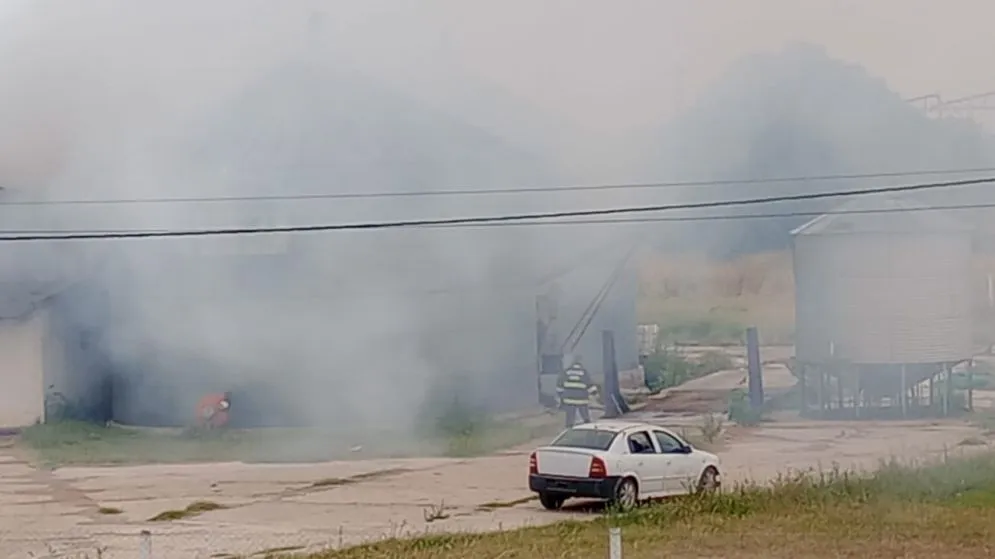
x=939, y=510
x=109, y=510
x=193, y=509
x=495, y=505
x=78, y=443
x=667, y=367
x=277, y=551
x=365, y=476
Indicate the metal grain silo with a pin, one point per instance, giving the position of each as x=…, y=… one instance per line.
x=883, y=294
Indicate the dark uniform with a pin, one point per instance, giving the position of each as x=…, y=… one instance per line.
x=575, y=389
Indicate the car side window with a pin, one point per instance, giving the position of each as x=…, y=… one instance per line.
x=668, y=444
x=640, y=443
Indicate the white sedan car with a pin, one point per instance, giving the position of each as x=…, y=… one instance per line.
x=622, y=463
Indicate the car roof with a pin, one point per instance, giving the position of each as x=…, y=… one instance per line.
x=616, y=426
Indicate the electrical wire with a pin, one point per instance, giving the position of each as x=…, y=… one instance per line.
x=499, y=191
x=736, y=217
x=482, y=220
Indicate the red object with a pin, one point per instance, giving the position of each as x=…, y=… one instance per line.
x=212, y=410
x=533, y=464
x=597, y=470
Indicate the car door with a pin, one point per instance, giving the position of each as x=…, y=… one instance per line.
x=678, y=463
x=646, y=462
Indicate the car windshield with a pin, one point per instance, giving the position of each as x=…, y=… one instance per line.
x=585, y=438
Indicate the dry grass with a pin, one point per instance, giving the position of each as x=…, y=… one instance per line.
x=945, y=510
x=366, y=476
x=193, y=509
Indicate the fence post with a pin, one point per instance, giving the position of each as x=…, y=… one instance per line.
x=145, y=545
x=615, y=543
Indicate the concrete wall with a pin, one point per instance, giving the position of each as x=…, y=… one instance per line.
x=22, y=385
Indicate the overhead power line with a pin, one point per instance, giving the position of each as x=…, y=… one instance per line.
x=497, y=191
x=736, y=217
x=49, y=234
x=484, y=220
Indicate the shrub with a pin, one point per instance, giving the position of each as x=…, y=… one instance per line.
x=741, y=412
x=666, y=368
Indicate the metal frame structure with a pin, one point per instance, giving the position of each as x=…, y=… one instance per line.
x=979, y=107
x=839, y=390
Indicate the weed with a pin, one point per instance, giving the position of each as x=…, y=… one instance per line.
x=436, y=512
x=711, y=428
x=109, y=510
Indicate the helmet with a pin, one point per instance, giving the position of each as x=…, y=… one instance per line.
x=568, y=360
x=571, y=360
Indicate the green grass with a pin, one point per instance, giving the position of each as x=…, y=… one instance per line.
x=935, y=511
x=667, y=368
x=77, y=443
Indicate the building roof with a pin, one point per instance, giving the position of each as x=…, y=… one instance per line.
x=882, y=214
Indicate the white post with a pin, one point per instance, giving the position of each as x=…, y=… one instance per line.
x=145, y=546
x=614, y=543
x=991, y=291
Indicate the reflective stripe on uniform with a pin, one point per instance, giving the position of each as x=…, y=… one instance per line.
x=573, y=402
x=573, y=384
x=592, y=389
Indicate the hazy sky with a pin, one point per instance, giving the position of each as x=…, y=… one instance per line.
x=612, y=68
x=617, y=65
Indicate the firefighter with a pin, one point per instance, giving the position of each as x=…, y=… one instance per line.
x=574, y=387
x=213, y=410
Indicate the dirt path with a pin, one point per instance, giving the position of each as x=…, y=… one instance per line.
x=344, y=503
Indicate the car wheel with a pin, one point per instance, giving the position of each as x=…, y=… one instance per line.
x=709, y=482
x=551, y=502
x=626, y=495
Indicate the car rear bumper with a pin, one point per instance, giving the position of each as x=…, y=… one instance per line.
x=574, y=487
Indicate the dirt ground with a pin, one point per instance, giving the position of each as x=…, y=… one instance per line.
x=344, y=503
x=333, y=504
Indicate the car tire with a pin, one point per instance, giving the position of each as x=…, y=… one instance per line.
x=551, y=502
x=709, y=481
x=626, y=495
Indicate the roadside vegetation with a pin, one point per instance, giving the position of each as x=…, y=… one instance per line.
x=667, y=367
x=938, y=511
x=455, y=432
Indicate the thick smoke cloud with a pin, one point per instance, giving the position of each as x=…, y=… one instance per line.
x=800, y=112
x=249, y=98
x=325, y=329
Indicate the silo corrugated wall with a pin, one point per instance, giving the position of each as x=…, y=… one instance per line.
x=883, y=298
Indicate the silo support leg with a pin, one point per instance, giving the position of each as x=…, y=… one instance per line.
x=948, y=388
x=932, y=391
x=822, y=393
x=856, y=394
x=905, y=395
x=970, y=388
x=803, y=407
